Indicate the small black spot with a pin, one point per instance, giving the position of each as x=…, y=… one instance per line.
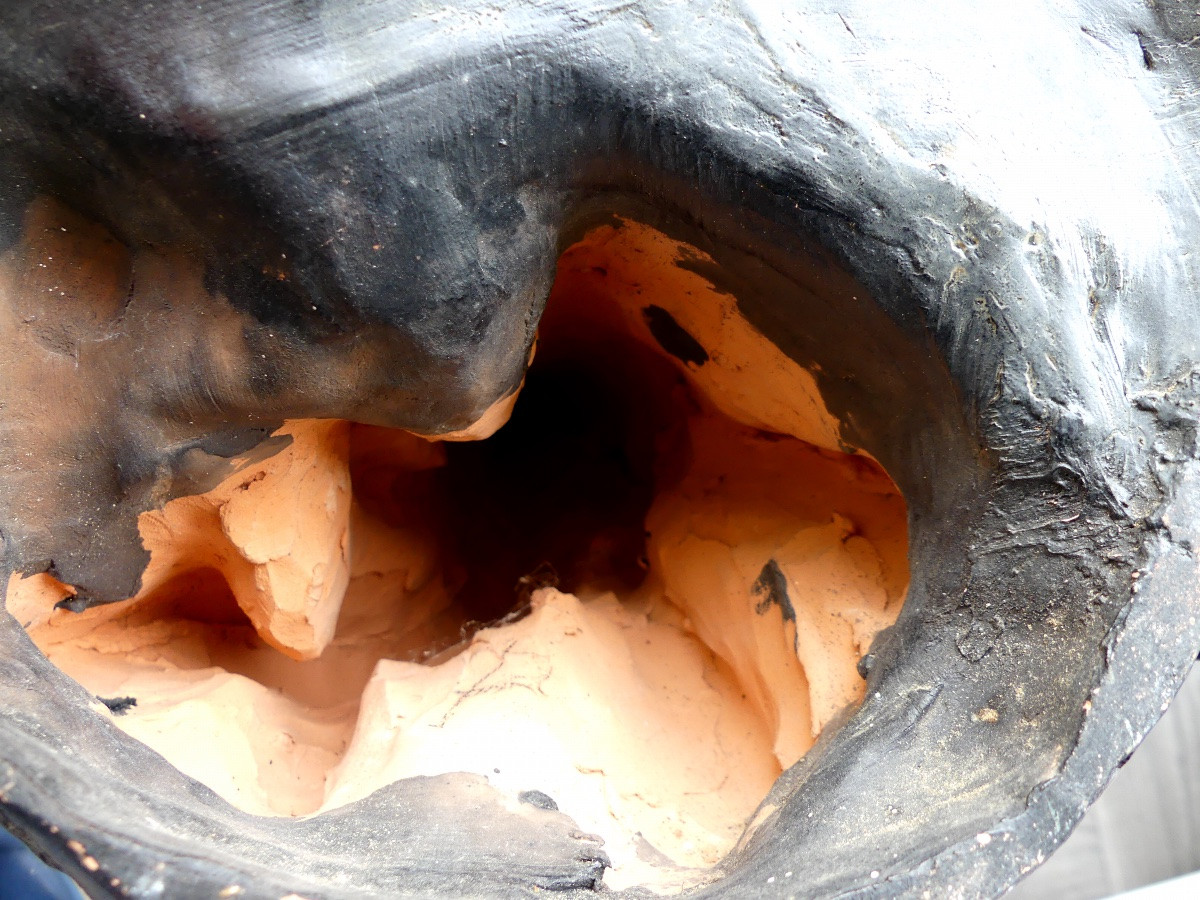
x=118, y=706
x=538, y=799
x=672, y=337
x=771, y=586
x=76, y=604
x=865, y=665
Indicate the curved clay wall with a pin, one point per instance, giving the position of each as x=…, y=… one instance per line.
x=641, y=600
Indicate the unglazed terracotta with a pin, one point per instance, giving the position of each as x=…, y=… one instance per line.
x=658, y=711
x=738, y=278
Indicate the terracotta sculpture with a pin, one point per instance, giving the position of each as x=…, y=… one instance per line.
x=273, y=279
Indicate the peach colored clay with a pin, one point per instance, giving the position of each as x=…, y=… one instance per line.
x=298, y=641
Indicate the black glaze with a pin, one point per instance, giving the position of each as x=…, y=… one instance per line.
x=1028, y=373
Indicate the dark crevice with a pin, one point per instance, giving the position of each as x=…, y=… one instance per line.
x=563, y=489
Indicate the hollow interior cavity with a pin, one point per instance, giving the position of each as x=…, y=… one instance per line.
x=643, y=598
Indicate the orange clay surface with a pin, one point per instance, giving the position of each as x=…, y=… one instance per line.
x=298, y=641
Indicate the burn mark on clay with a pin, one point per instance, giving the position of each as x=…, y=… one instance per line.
x=75, y=603
x=771, y=588
x=118, y=706
x=539, y=799
x=672, y=337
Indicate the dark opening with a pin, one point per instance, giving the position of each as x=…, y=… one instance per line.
x=560, y=494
